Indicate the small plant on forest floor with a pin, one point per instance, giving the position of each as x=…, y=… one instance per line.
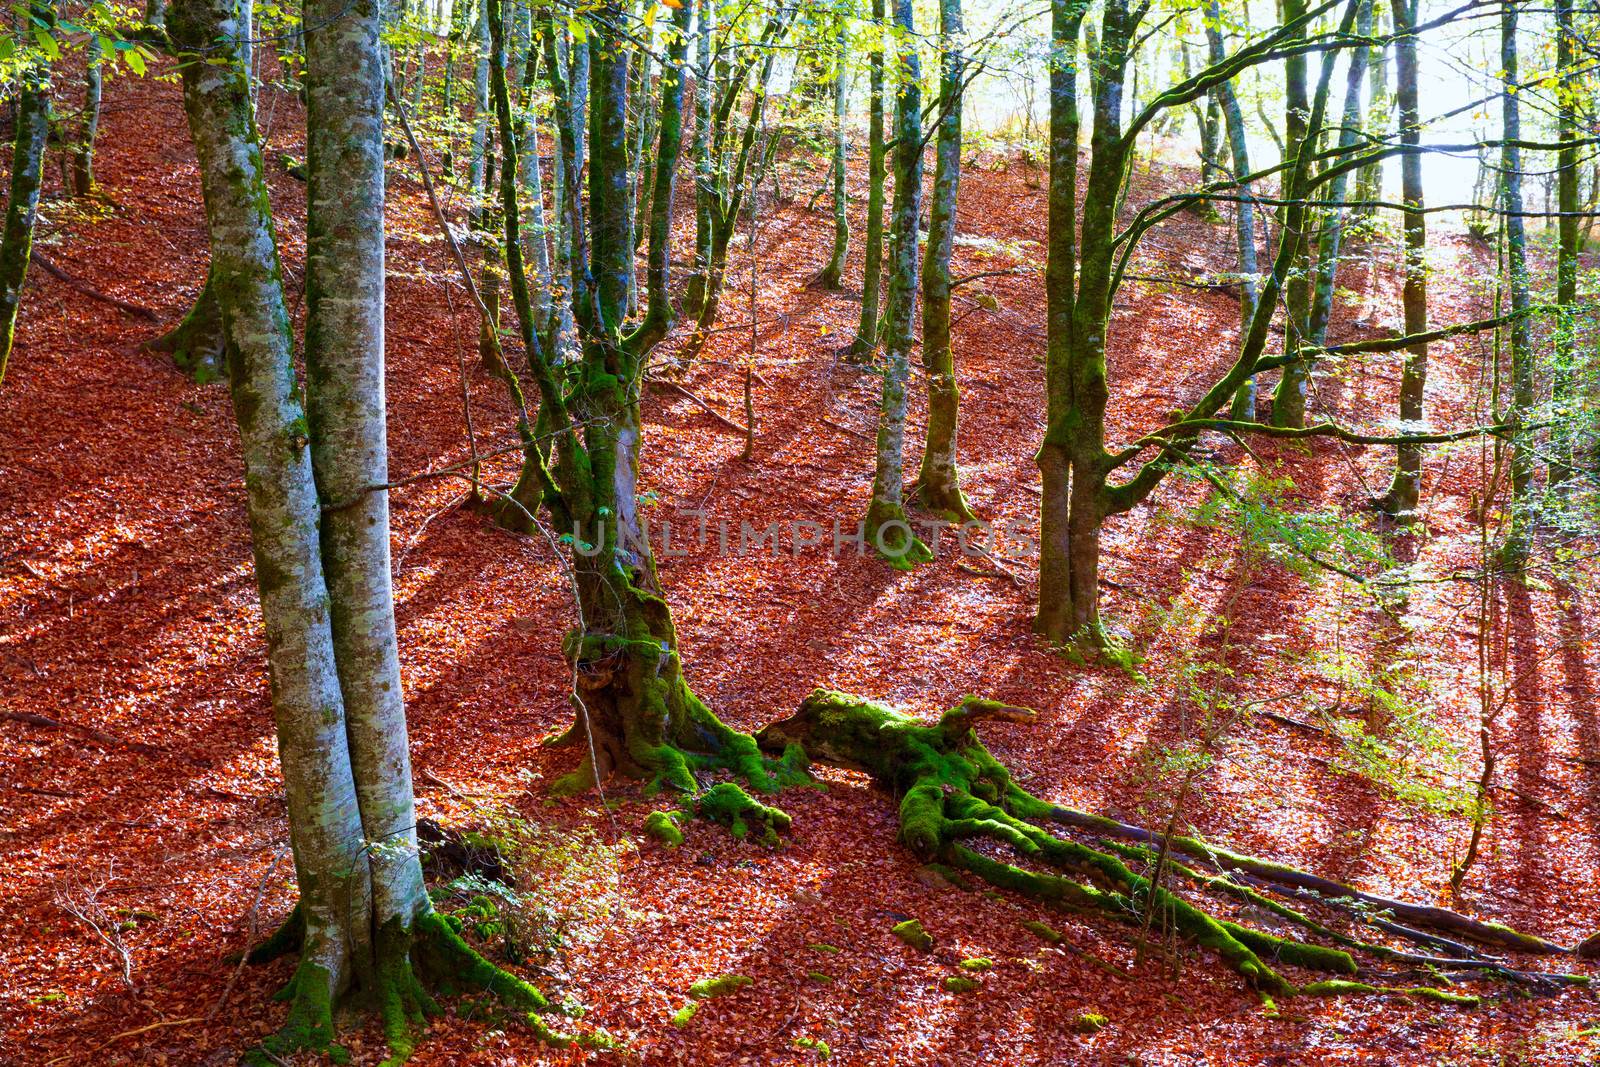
x=565, y=889
x=1396, y=744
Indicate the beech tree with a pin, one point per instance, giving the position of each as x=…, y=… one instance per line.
x=364, y=928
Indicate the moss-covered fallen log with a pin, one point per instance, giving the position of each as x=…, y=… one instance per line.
x=959, y=806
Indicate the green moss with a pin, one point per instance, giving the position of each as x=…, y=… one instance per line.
x=1288, y=950
x=730, y=806
x=912, y=933
x=285, y=939
x=720, y=986
x=661, y=826
x=1090, y=1023
x=820, y=978
x=819, y=947
x=815, y=1044
x=1335, y=987
x=1443, y=996
x=1042, y=932
x=960, y=983
x=681, y=1017
x=309, y=1026
x=976, y=963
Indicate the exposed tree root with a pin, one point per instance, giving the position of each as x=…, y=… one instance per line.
x=955, y=796
x=409, y=967
x=197, y=343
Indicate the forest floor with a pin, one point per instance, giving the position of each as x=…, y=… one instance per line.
x=127, y=605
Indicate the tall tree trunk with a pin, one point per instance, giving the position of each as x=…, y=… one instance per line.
x=1405, y=488
x=27, y=174
x=363, y=919
x=705, y=96
x=1055, y=613
x=1570, y=427
x=319, y=782
x=1523, y=505
x=1332, y=229
x=636, y=715
x=832, y=275
x=344, y=353
x=1244, y=401
x=88, y=123
x=1289, y=399
x=939, y=483
x=877, y=177
x=1369, y=182
x=887, y=527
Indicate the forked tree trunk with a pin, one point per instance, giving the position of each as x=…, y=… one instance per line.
x=27, y=174
x=939, y=482
x=319, y=783
x=363, y=919
x=888, y=530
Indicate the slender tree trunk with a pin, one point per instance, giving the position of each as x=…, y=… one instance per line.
x=877, y=177
x=88, y=124
x=1523, y=505
x=1244, y=401
x=832, y=275
x=27, y=175
x=704, y=167
x=887, y=528
x=1369, y=182
x=1570, y=427
x=1332, y=230
x=1289, y=399
x=939, y=483
x=1055, y=613
x=1405, y=489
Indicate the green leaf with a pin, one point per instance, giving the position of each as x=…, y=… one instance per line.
x=135, y=61
x=47, y=43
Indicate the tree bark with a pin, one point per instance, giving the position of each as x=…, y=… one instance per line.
x=1289, y=399
x=1570, y=426
x=832, y=275
x=939, y=482
x=1523, y=505
x=1244, y=401
x=877, y=177
x=1405, y=488
x=27, y=175
x=887, y=528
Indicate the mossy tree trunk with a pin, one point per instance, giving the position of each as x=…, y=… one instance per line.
x=27, y=175
x=362, y=921
x=887, y=528
x=1244, y=219
x=636, y=715
x=939, y=481
x=197, y=342
x=1405, y=488
x=866, y=340
x=1331, y=233
x=1570, y=427
x=87, y=127
x=832, y=275
x=1086, y=260
x=1289, y=398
